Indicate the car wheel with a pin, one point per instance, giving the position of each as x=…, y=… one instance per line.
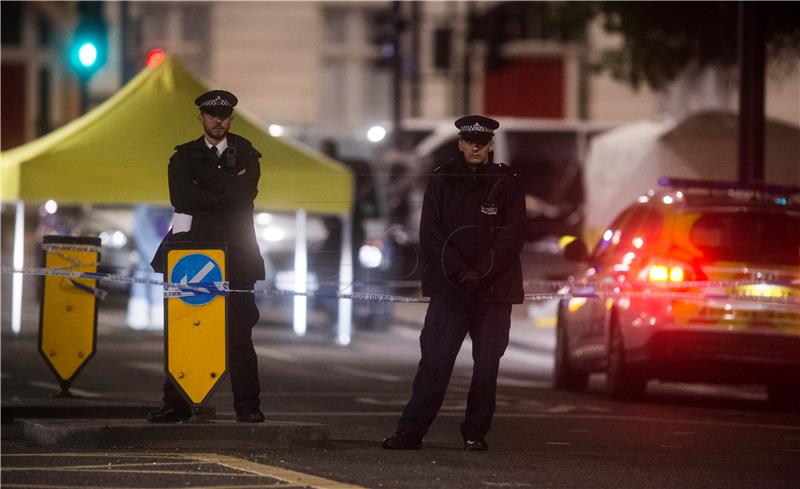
x=622, y=382
x=565, y=375
x=783, y=395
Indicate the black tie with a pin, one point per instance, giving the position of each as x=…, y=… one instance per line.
x=214, y=150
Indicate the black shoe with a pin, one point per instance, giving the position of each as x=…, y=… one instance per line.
x=250, y=417
x=475, y=445
x=401, y=441
x=169, y=415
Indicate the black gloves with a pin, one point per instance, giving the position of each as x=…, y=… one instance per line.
x=468, y=280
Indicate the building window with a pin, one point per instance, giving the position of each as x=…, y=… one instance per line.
x=333, y=102
x=11, y=13
x=44, y=31
x=335, y=25
x=43, y=110
x=195, y=22
x=154, y=25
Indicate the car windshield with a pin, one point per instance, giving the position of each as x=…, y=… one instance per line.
x=761, y=237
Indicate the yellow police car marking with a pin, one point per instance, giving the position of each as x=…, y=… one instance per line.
x=576, y=303
x=548, y=321
x=245, y=469
x=764, y=290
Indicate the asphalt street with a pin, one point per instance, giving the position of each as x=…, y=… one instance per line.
x=678, y=436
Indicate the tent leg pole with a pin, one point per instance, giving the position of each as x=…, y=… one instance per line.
x=345, y=323
x=18, y=261
x=300, y=274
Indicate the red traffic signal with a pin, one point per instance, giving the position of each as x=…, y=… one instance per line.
x=154, y=57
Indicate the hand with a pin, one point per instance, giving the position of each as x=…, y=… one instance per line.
x=469, y=280
x=242, y=172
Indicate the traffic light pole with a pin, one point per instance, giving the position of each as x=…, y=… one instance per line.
x=397, y=76
x=84, y=96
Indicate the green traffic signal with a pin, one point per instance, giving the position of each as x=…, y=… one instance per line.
x=87, y=54
x=89, y=48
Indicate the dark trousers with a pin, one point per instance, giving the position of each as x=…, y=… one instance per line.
x=446, y=325
x=242, y=359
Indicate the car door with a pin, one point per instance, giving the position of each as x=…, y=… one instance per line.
x=587, y=309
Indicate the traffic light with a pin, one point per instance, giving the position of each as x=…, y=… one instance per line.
x=384, y=30
x=155, y=57
x=89, y=48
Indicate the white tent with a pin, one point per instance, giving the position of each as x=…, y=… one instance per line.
x=626, y=162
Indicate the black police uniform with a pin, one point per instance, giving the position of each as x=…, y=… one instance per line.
x=471, y=220
x=220, y=201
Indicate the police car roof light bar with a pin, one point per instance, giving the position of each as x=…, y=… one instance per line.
x=685, y=183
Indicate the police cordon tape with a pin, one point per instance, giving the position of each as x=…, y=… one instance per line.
x=565, y=289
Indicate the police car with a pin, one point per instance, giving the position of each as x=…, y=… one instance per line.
x=713, y=271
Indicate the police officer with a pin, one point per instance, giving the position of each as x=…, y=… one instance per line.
x=213, y=181
x=471, y=234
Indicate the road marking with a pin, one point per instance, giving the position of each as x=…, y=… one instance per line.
x=378, y=402
x=597, y=409
x=285, y=475
x=274, y=354
x=55, y=387
x=510, y=382
x=150, y=367
x=280, y=485
x=111, y=470
x=244, y=469
x=561, y=408
x=355, y=372
x=543, y=361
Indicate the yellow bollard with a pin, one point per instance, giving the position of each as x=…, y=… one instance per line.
x=68, y=315
x=195, y=323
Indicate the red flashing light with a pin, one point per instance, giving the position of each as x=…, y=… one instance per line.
x=155, y=56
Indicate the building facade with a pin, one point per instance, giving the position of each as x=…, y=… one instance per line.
x=324, y=68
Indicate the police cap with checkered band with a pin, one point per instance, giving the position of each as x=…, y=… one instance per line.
x=218, y=103
x=476, y=128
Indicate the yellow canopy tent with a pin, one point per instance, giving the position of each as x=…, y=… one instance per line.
x=118, y=153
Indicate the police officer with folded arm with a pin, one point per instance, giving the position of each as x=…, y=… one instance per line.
x=213, y=181
x=471, y=234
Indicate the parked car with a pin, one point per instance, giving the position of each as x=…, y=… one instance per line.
x=692, y=231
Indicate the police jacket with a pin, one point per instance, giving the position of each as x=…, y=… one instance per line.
x=473, y=219
x=219, y=200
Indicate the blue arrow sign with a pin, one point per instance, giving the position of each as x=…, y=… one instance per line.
x=195, y=269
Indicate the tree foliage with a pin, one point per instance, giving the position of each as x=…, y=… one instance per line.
x=661, y=40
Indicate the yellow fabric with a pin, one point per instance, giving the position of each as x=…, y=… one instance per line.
x=118, y=153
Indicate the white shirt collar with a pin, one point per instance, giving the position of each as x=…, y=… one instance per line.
x=220, y=146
